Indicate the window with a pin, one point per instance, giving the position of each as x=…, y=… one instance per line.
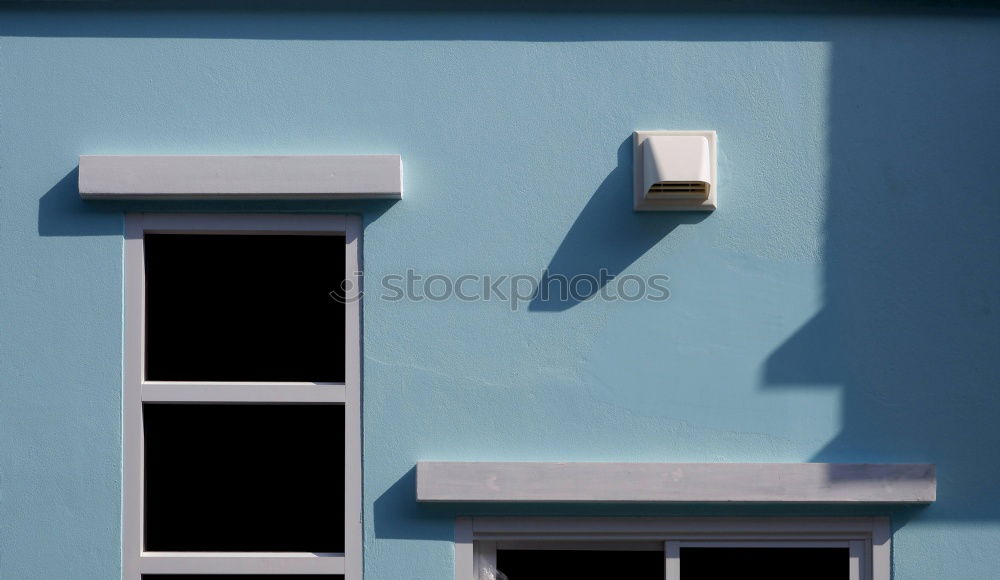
x=541, y=562
x=211, y=464
x=780, y=560
x=243, y=307
x=672, y=548
x=242, y=428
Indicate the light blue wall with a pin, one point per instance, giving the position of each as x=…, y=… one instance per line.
x=839, y=306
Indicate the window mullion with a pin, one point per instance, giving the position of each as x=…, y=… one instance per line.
x=240, y=563
x=672, y=553
x=195, y=392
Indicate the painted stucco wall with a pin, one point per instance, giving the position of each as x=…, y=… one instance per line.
x=839, y=306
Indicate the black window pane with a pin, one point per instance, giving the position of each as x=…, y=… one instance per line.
x=772, y=563
x=244, y=308
x=244, y=477
x=580, y=564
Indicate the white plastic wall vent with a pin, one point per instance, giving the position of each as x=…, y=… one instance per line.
x=675, y=171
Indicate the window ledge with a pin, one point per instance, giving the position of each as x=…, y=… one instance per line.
x=277, y=177
x=825, y=483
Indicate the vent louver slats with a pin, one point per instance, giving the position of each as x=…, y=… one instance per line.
x=678, y=190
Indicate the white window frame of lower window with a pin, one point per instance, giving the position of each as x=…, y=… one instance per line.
x=137, y=390
x=478, y=539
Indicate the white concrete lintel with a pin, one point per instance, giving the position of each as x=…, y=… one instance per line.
x=323, y=177
x=676, y=482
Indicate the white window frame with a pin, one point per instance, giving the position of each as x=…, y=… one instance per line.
x=136, y=391
x=478, y=539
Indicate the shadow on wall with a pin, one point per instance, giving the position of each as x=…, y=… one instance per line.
x=606, y=238
x=443, y=19
x=398, y=515
x=912, y=266
x=61, y=212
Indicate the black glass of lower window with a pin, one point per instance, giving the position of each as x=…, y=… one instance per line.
x=240, y=477
x=773, y=563
x=244, y=307
x=581, y=564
